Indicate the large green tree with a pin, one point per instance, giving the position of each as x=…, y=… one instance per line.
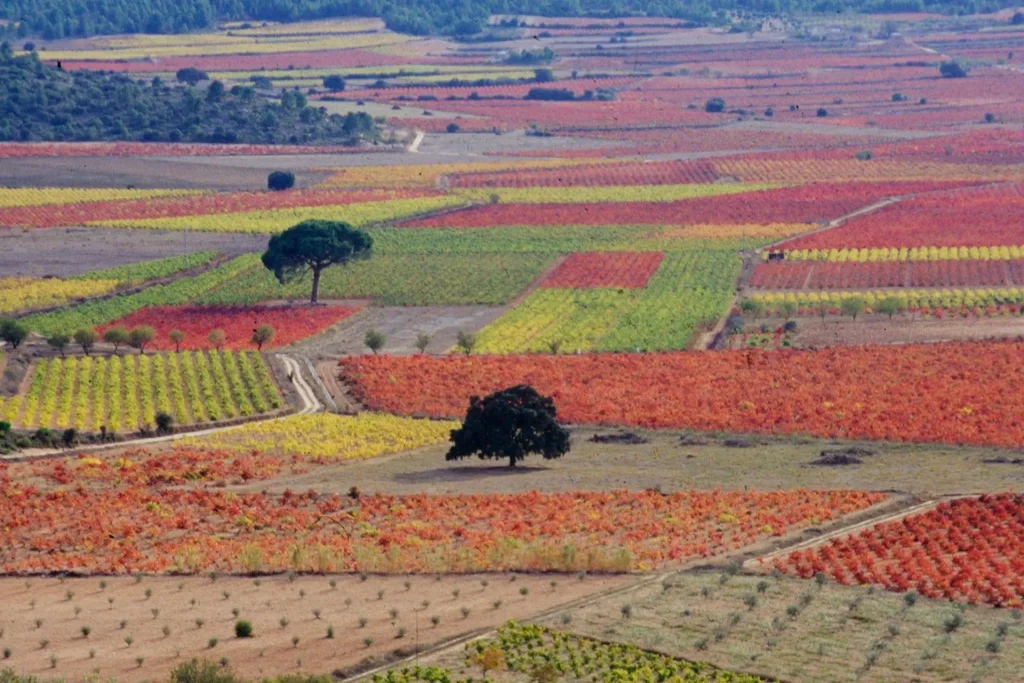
x=312, y=246
x=511, y=423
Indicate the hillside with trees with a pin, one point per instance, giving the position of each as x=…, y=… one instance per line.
x=43, y=103
x=53, y=19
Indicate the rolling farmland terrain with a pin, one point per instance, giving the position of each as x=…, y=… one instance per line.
x=728, y=302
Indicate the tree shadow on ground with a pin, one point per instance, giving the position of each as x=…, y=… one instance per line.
x=446, y=474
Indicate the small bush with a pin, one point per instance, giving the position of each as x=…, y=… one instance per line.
x=715, y=105
x=243, y=629
x=204, y=671
x=281, y=180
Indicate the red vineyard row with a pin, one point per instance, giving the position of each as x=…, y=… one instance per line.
x=950, y=393
x=824, y=275
x=58, y=215
x=970, y=550
x=803, y=204
x=628, y=270
x=969, y=217
x=290, y=323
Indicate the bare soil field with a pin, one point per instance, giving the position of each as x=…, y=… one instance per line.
x=142, y=172
x=666, y=463
x=71, y=251
x=401, y=325
x=140, y=630
x=878, y=329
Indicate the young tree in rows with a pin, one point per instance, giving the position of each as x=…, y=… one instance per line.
x=465, y=341
x=334, y=83
x=13, y=333
x=216, y=338
x=374, y=340
x=140, y=336
x=262, y=335
x=852, y=306
x=890, y=306
x=117, y=336
x=164, y=422
x=190, y=75
x=59, y=341
x=176, y=337
x=952, y=70
x=755, y=307
x=787, y=309
x=311, y=247
x=511, y=423
x=422, y=342
x=86, y=338
x=490, y=659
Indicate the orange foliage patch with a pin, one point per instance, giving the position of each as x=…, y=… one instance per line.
x=951, y=393
x=969, y=549
x=133, y=528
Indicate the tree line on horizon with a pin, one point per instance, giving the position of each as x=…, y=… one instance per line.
x=55, y=19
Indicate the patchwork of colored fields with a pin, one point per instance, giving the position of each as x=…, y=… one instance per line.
x=99, y=312
x=24, y=293
x=976, y=217
x=948, y=273
x=134, y=212
x=126, y=393
x=802, y=204
x=619, y=301
x=253, y=532
x=922, y=393
x=969, y=549
x=277, y=220
x=290, y=323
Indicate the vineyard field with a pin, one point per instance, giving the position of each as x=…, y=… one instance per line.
x=95, y=313
x=123, y=394
x=804, y=204
x=614, y=532
x=327, y=437
x=817, y=392
x=974, y=217
x=399, y=280
x=685, y=291
x=967, y=549
x=276, y=220
x=290, y=323
x=823, y=275
x=18, y=294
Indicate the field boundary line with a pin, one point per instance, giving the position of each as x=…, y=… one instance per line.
x=642, y=581
x=759, y=562
x=414, y=146
x=320, y=383
x=837, y=222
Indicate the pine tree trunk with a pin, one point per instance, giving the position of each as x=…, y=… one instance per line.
x=316, y=287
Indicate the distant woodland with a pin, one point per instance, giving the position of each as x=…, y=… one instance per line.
x=52, y=19
x=42, y=103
